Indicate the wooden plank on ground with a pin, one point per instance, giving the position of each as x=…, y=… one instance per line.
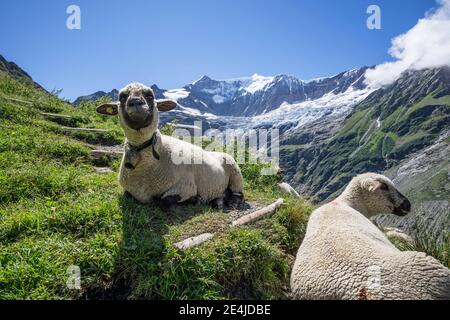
x=17, y=100
x=258, y=214
x=56, y=115
x=193, y=241
x=84, y=129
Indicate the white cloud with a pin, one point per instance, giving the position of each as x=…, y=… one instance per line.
x=426, y=45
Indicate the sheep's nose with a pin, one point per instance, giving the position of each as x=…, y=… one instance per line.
x=406, y=205
x=135, y=102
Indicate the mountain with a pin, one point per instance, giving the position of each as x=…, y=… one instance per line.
x=401, y=130
x=259, y=101
x=250, y=96
x=16, y=72
x=113, y=95
x=258, y=95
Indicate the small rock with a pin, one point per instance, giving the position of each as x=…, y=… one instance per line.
x=287, y=189
x=399, y=234
x=98, y=154
x=105, y=170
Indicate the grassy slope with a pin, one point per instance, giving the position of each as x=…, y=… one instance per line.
x=402, y=132
x=361, y=146
x=56, y=211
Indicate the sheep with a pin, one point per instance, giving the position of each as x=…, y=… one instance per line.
x=345, y=256
x=150, y=168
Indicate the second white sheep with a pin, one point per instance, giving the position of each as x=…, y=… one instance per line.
x=345, y=256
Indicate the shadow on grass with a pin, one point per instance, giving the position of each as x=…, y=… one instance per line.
x=142, y=249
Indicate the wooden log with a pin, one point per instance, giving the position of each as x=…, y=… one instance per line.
x=259, y=214
x=55, y=115
x=97, y=154
x=193, y=241
x=103, y=170
x=184, y=126
x=84, y=129
x=18, y=100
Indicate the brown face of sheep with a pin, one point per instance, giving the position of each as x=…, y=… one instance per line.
x=383, y=197
x=137, y=108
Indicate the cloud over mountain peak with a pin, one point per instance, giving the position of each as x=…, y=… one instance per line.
x=426, y=45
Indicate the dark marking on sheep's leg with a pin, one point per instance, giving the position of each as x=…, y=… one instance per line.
x=217, y=203
x=127, y=195
x=227, y=196
x=169, y=203
x=193, y=201
x=236, y=200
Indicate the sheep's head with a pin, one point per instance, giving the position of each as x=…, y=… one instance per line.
x=137, y=109
x=379, y=195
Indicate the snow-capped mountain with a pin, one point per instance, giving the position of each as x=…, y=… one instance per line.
x=280, y=101
x=257, y=95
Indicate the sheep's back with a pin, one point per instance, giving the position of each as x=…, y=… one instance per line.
x=339, y=254
x=209, y=169
x=345, y=256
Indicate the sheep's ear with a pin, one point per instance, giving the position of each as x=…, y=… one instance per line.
x=165, y=105
x=109, y=109
x=372, y=185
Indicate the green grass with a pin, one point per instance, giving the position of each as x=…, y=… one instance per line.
x=358, y=124
x=447, y=140
x=56, y=211
x=434, y=185
x=428, y=100
x=292, y=147
x=435, y=245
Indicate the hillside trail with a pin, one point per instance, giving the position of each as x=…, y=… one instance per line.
x=98, y=151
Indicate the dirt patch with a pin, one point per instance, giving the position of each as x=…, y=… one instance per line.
x=247, y=208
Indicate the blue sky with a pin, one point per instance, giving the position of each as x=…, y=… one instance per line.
x=174, y=42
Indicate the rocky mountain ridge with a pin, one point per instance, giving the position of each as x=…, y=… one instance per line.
x=16, y=72
x=250, y=96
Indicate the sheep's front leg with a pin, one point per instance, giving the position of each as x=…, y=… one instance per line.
x=218, y=203
x=182, y=191
x=235, y=200
x=170, y=202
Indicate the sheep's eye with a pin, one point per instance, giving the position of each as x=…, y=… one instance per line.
x=149, y=95
x=123, y=97
x=384, y=186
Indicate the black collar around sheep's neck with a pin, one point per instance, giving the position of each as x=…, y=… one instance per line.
x=145, y=145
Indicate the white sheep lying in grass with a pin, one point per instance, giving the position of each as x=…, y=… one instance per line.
x=153, y=167
x=345, y=256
